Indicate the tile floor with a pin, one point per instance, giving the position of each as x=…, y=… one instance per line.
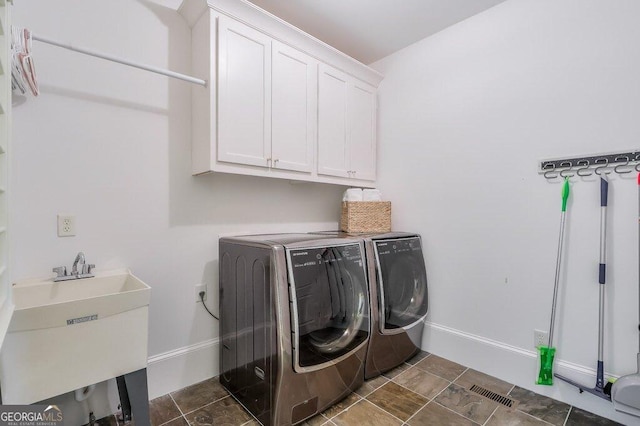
x=426, y=390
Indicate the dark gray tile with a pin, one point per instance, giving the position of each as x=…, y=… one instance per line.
x=162, y=409
x=365, y=413
x=418, y=357
x=315, y=421
x=466, y=403
x=473, y=377
x=441, y=367
x=341, y=406
x=180, y=421
x=508, y=417
x=578, y=417
x=421, y=382
x=542, y=407
x=399, y=401
x=225, y=411
x=435, y=414
x=198, y=395
x=371, y=385
x=394, y=372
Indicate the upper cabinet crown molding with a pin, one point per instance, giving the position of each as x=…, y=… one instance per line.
x=269, y=109
x=253, y=16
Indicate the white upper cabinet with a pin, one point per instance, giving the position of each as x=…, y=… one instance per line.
x=333, y=154
x=346, y=126
x=244, y=94
x=278, y=102
x=293, y=108
x=362, y=112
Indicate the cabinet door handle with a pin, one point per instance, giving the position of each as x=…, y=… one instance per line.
x=268, y=162
x=275, y=162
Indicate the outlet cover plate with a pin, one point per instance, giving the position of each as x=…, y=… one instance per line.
x=66, y=225
x=540, y=338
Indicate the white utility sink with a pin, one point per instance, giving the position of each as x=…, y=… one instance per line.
x=46, y=304
x=70, y=334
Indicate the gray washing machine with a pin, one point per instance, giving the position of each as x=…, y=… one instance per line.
x=398, y=293
x=294, y=323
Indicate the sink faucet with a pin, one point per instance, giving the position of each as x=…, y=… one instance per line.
x=85, y=271
x=79, y=258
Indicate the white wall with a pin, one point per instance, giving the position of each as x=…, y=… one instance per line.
x=111, y=145
x=465, y=115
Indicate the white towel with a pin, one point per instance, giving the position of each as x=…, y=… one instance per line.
x=371, y=195
x=352, y=194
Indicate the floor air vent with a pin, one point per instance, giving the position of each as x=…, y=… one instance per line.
x=500, y=399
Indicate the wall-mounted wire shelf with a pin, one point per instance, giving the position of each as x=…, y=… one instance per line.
x=618, y=162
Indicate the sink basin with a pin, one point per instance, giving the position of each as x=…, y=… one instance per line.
x=47, y=304
x=70, y=334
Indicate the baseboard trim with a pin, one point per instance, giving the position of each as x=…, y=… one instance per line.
x=518, y=366
x=568, y=368
x=182, y=367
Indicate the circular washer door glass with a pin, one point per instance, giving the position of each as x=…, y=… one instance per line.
x=328, y=288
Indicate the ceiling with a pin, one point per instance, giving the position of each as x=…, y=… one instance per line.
x=369, y=30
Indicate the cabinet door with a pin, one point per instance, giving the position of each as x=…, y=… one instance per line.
x=362, y=130
x=293, y=108
x=244, y=94
x=332, y=122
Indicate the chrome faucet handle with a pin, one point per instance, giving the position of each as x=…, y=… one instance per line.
x=61, y=271
x=87, y=269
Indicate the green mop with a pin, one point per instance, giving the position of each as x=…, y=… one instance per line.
x=547, y=352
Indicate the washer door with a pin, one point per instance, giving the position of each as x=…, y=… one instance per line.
x=328, y=291
x=402, y=282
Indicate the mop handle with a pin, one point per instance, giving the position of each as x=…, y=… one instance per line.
x=639, y=260
x=565, y=197
x=604, y=192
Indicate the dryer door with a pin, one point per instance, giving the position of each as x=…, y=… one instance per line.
x=402, y=282
x=328, y=294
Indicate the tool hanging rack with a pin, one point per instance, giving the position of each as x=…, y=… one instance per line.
x=618, y=162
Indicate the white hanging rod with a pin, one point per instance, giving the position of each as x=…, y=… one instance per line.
x=151, y=68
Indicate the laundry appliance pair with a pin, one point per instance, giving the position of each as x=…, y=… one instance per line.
x=305, y=318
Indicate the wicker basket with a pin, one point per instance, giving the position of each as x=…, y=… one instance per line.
x=366, y=216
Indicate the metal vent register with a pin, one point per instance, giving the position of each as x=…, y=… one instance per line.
x=500, y=399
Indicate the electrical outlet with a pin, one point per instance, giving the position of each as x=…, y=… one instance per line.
x=199, y=288
x=540, y=338
x=66, y=225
